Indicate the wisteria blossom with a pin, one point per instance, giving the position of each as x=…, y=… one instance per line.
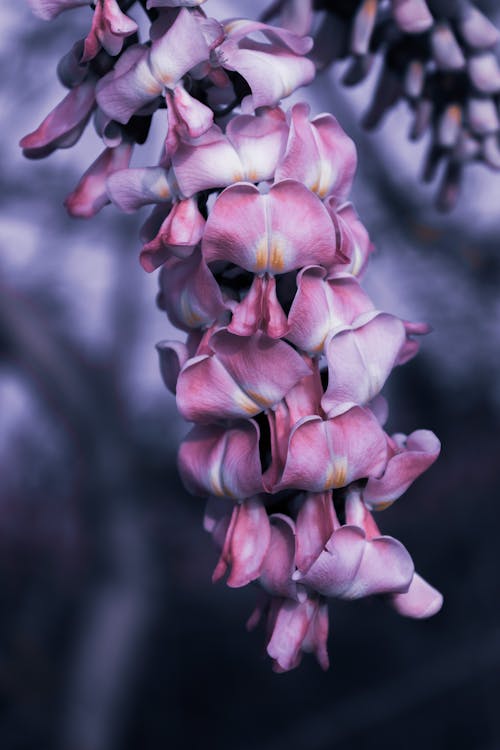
x=283, y=355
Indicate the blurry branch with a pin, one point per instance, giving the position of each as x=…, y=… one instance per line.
x=120, y=602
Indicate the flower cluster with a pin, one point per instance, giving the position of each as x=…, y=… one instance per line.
x=437, y=55
x=260, y=256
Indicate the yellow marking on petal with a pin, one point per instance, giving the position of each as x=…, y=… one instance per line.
x=337, y=474
x=277, y=255
x=164, y=192
x=261, y=255
x=191, y=318
x=454, y=112
x=237, y=177
x=315, y=186
x=214, y=480
x=243, y=401
x=383, y=506
x=153, y=88
x=252, y=175
x=260, y=399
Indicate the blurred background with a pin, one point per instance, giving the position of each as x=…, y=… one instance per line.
x=112, y=636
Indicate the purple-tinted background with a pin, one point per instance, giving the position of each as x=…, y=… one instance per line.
x=111, y=634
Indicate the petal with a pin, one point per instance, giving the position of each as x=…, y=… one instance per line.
x=385, y=566
x=109, y=29
x=178, y=50
x=190, y=294
x=127, y=89
x=173, y=355
x=64, y=125
x=314, y=527
x=245, y=376
x=130, y=189
x=207, y=162
x=421, y=450
x=420, y=601
x=316, y=637
x=278, y=232
x=290, y=629
x=49, y=9
x=279, y=564
x=260, y=309
x=320, y=305
x=259, y=141
x=360, y=359
x=90, y=195
x=249, y=543
x=335, y=569
x=223, y=462
x=178, y=235
x=412, y=16
x=271, y=71
x=319, y=154
x=477, y=30
x=325, y=455
x=196, y=117
x=354, y=241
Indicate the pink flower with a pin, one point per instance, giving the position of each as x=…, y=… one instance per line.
x=274, y=233
x=242, y=377
x=249, y=151
x=64, y=125
x=222, y=461
x=90, y=195
x=109, y=29
x=319, y=154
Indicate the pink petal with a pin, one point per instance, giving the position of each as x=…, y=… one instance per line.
x=290, y=629
x=178, y=235
x=64, y=125
x=385, y=566
x=271, y=71
x=207, y=162
x=319, y=154
x=190, y=294
x=360, y=359
x=259, y=141
x=173, y=355
x=324, y=455
x=278, y=566
x=195, y=116
x=109, y=29
x=130, y=189
x=244, y=376
x=223, y=462
x=275, y=233
x=335, y=569
x=49, y=9
x=90, y=195
x=320, y=305
x=353, y=239
x=238, y=28
x=315, y=525
x=317, y=635
x=412, y=16
x=420, y=601
x=250, y=539
x=178, y=50
x=125, y=90
x=260, y=309
x=421, y=450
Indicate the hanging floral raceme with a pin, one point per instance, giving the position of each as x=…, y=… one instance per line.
x=260, y=259
x=438, y=55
